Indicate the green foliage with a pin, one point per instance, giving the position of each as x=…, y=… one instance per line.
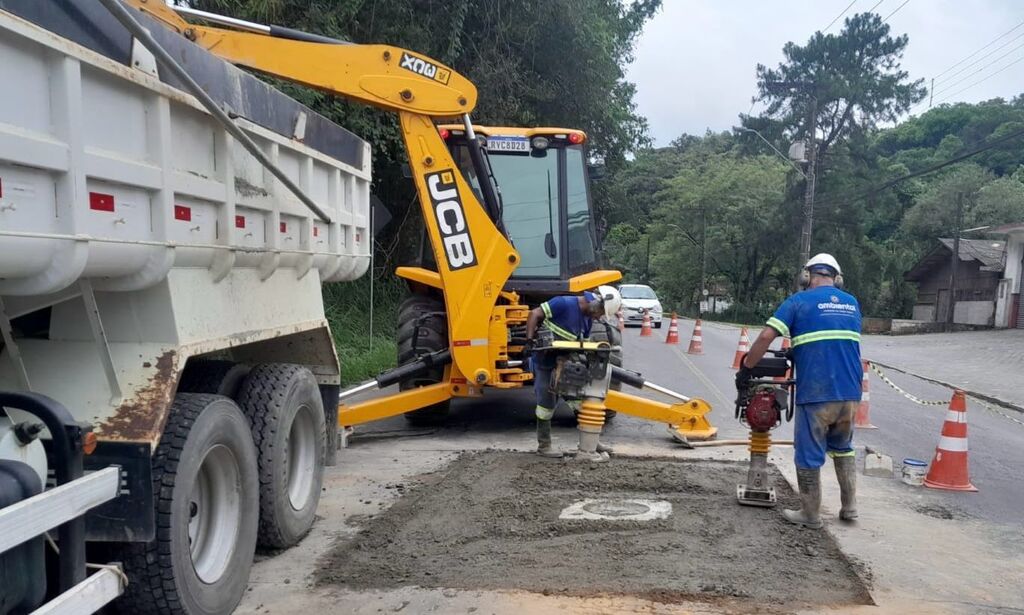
x=362, y=351
x=752, y=200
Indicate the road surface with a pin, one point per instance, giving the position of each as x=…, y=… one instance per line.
x=923, y=550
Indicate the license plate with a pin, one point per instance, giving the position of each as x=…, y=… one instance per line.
x=508, y=144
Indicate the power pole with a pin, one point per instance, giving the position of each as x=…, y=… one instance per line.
x=805, y=233
x=810, y=89
x=647, y=264
x=703, y=260
x=954, y=261
x=931, y=93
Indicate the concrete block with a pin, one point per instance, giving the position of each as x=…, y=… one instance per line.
x=878, y=465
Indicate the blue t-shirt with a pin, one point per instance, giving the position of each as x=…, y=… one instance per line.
x=823, y=324
x=563, y=316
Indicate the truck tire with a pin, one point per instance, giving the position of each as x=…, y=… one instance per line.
x=433, y=336
x=215, y=376
x=286, y=412
x=205, y=488
x=604, y=332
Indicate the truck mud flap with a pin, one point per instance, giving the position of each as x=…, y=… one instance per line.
x=129, y=517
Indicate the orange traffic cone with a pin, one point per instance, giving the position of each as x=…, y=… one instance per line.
x=696, y=341
x=622, y=321
x=742, y=349
x=786, y=345
x=949, y=466
x=673, y=331
x=645, y=328
x=862, y=420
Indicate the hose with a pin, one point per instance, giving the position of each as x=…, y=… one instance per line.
x=713, y=443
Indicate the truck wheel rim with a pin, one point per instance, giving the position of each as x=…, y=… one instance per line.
x=215, y=513
x=301, y=457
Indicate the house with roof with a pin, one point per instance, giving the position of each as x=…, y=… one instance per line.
x=979, y=281
x=1009, y=306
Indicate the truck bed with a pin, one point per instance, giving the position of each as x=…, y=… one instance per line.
x=112, y=173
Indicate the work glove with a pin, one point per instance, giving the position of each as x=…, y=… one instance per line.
x=743, y=377
x=528, y=348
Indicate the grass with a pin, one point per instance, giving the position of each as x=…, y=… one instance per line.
x=362, y=351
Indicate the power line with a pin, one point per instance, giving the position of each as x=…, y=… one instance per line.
x=872, y=9
x=928, y=170
x=989, y=44
x=980, y=70
x=831, y=23
x=896, y=11
x=985, y=56
x=965, y=78
x=983, y=79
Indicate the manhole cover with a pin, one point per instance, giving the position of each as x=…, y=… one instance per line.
x=623, y=510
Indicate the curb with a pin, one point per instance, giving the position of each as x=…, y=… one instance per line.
x=983, y=396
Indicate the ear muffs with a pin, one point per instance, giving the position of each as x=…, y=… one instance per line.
x=805, y=278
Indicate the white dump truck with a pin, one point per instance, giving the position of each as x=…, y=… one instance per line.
x=168, y=381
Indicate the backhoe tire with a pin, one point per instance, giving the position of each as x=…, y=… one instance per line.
x=433, y=336
x=286, y=413
x=215, y=376
x=205, y=491
x=604, y=332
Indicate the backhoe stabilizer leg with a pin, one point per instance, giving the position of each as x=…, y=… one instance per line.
x=392, y=405
x=686, y=420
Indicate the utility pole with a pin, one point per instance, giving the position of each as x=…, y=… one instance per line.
x=954, y=261
x=647, y=264
x=812, y=153
x=703, y=260
x=931, y=93
x=809, y=88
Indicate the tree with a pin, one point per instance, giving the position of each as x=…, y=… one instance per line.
x=855, y=77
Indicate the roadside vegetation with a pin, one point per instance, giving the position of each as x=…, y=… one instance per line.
x=365, y=348
x=728, y=196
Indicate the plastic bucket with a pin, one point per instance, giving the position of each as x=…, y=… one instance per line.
x=914, y=471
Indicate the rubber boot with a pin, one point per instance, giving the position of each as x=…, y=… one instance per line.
x=544, y=448
x=809, y=481
x=588, y=448
x=846, y=474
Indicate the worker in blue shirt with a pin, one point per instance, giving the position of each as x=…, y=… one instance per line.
x=823, y=323
x=567, y=317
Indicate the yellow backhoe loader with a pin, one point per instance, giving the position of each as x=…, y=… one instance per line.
x=473, y=256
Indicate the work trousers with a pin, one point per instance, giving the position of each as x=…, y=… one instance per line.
x=823, y=429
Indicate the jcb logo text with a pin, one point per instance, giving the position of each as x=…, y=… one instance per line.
x=451, y=220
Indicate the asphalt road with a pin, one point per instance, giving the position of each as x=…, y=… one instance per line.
x=905, y=429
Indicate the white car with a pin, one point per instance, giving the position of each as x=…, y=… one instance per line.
x=636, y=298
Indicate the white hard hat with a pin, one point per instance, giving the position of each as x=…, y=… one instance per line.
x=826, y=260
x=612, y=300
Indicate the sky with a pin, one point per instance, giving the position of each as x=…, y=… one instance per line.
x=694, y=63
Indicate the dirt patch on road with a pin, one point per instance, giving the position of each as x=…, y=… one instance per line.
x=491, y=521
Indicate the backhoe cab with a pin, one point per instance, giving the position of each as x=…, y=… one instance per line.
x=547, y=211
